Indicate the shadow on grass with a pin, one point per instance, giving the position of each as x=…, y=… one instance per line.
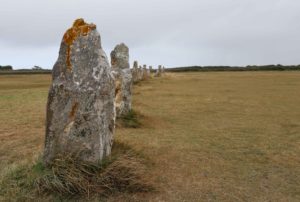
x=68, y=178
x=131, y=120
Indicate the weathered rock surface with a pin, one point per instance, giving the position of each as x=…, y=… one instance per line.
x=80, y=110
x=123, y=79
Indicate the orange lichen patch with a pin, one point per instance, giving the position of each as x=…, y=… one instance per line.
x=79, y=28
x=113, y=61
x=73, y=111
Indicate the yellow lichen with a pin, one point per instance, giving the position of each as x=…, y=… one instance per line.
x=79, y=28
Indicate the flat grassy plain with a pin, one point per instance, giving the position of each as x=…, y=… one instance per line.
x=210, y=136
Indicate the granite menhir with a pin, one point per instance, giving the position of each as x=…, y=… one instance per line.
x=80, y=110
x=134, y=72
x=123, y=79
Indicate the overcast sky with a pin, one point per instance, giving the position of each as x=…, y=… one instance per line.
x=168, y=32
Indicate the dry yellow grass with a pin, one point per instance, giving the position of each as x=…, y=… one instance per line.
x=22, y=116
x=211, y=136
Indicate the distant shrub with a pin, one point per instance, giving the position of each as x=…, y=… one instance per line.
x=6, y=68
x=234, y=68
x=37, y=68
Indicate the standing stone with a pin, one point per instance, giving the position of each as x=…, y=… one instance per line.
x=158, y=71
x=140, y=73
x=120, y=57
x=80, y=110
x=150, y=72
x=157, y=74
x=123, y=79
x=135, y=64
x=134, y=72
x=150, y=69
x=145, y=75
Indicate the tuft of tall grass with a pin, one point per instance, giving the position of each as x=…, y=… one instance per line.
x=68, y=177
x=71, y=177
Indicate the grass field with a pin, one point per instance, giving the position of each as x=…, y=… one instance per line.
x=210, y=136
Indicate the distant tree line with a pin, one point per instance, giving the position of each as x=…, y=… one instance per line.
x=6, y=68
x=34, y=70
x=235, y=68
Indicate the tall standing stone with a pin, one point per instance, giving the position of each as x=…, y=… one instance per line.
x=135, y=64
x=123, y=79
x=145, y=73
x=134, y=71
x=80, y=110
x=140, y=73
x=150, y=69
x=158, y=72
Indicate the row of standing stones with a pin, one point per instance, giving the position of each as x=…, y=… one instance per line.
x=87, y=94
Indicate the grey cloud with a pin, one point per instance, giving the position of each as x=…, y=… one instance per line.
x=173, y=33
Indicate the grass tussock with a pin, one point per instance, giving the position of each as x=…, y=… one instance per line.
x=124, y=172
x=131, y=120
